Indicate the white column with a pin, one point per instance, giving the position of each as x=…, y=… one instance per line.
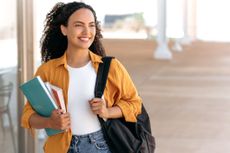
x=162, y=51
x=177, y=47
x=25, y=41
x=192, y=6
x=186, y=40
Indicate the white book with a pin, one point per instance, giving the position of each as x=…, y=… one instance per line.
x=57, y=94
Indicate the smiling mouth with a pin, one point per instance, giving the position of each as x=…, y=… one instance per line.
x=84, y=38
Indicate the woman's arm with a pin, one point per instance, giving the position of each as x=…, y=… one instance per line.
x=57, y=120
x=127, y=98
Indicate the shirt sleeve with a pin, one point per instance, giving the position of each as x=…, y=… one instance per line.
x=129, y=101
x=26, y=114
x=28, y=110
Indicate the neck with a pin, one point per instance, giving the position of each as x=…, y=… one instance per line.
x=77, y=58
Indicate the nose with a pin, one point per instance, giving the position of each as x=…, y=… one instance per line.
x=86, y=30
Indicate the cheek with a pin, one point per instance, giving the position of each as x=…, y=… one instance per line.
x=74, y=33
x=93, y=32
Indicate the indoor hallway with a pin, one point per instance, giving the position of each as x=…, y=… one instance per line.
x=187, y=98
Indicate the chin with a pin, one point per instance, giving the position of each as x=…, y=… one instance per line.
x=83, y=45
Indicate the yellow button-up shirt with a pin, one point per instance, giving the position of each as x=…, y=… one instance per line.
x=119, y=91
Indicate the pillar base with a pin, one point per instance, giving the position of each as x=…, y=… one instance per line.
x=162, y=52
x=177, y=46
x=186, y=41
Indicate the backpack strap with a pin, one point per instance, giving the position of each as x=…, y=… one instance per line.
x=102, y=75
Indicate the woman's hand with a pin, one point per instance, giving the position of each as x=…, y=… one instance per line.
x=59, y=120
x=98, y=106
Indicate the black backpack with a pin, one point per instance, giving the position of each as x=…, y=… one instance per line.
x=122, y=136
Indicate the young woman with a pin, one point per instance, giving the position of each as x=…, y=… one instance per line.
x=71, y=52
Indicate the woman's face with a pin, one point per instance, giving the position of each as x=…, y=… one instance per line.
x=81, y=29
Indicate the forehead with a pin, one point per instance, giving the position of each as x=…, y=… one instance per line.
x=83, y=15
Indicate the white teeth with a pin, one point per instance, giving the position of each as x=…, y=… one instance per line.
x=84, y=39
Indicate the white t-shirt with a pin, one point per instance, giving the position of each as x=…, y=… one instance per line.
x=81, y=90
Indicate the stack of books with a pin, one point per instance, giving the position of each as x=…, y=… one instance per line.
x=44, y=98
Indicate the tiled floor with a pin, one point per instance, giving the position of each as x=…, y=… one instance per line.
x=187, y=98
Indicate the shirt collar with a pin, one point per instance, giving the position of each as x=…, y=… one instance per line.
x=63, y=61
x=95, y=58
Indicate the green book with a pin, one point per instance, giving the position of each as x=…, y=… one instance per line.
x=40, y=99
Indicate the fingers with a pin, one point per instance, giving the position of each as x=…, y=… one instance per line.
x=58, y=111
x=65, y=121
x=64, y=124
x=96, y=100
x=98, y=106
x=61, y=111
x=60, y=120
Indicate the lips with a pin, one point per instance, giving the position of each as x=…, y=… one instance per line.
x=84, y=38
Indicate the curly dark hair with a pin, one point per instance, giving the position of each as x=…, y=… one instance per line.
x=53, y=42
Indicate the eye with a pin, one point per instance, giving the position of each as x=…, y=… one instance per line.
x=77, y=25
x=92, y=25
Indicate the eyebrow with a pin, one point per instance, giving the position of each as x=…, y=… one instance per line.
x=83, y=22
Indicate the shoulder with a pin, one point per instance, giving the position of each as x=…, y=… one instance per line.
x=47, y=67
x=117, y=69
x=117, y=65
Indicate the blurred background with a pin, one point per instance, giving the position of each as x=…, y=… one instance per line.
x=176, y=51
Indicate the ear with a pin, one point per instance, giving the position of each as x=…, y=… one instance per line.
x=63, y=30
